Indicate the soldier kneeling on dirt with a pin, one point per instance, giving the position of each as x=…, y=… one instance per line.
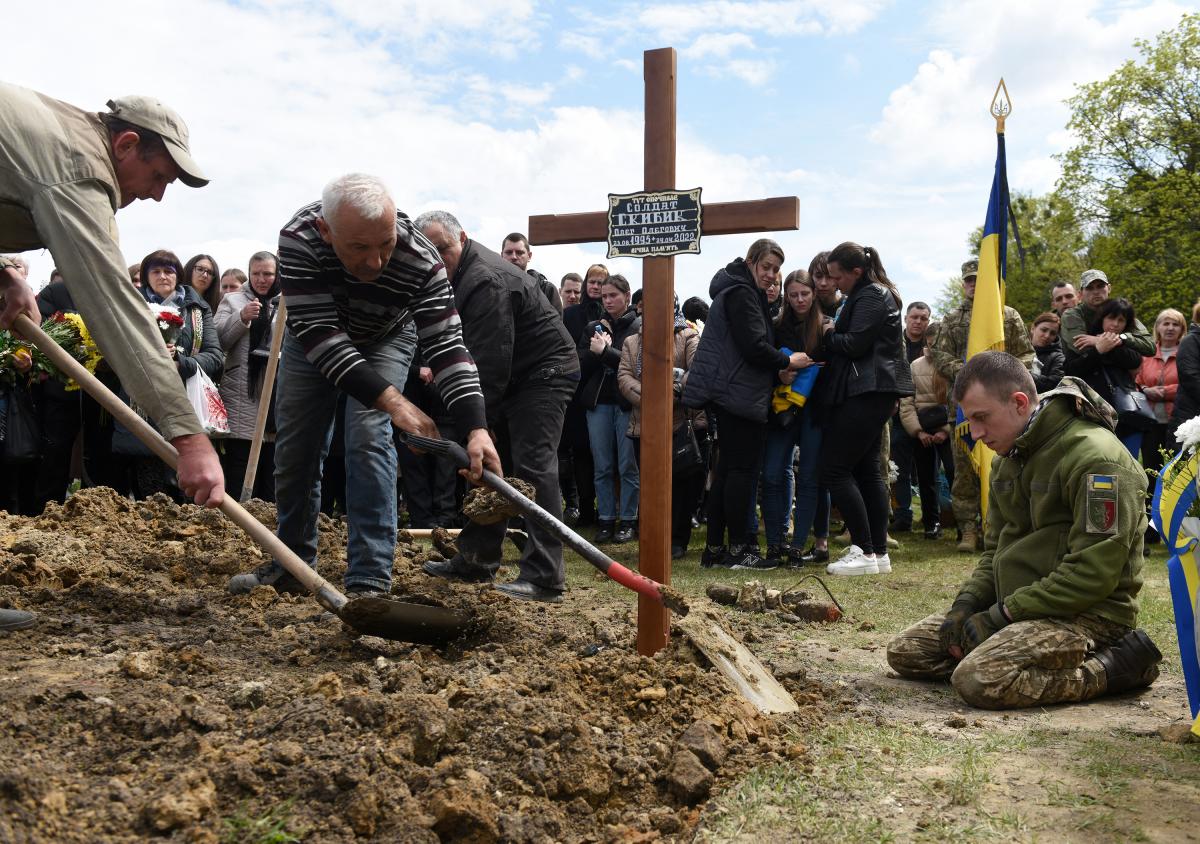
x=1048, y=615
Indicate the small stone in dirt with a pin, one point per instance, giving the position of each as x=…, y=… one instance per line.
x=957, y=721
x=443, y=542
x=487, y=507
x=288, y=752
x=184, y=800
x=665, y=820
x=462, y=816
x=722, y=593
x=190, y=604
x=1180, y=733
x=328, y=684
x=752, y=597
x=772, y=598
x=702, y=739
x=687, y=778
x=140, y=665
x=867, y=626
x=249, y=695
x=653, y=693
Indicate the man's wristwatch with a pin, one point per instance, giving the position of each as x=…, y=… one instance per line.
x=1124, y=337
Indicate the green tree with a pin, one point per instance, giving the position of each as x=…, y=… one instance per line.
x=1054, y=247
x=1134, y=176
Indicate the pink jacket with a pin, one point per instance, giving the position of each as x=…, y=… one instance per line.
x=1155, y=372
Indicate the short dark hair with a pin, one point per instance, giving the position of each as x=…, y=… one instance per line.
x=162, y=258
x=150, y=144
x=999, y=373
x=570, y=277
x=636, y=298
x=213, y=294
x=618, y=281
x=912, y=306
x=1113, y=307
x=819, y=265
x=695, y=309
x=1049, y=316
x=516, y=237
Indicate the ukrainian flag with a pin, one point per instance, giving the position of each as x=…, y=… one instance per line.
x=1173, y=495
x=987, y=311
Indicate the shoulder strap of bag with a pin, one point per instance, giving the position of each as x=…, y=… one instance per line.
x=197, y=331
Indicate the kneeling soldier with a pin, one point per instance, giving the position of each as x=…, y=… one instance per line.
x=1048, y=615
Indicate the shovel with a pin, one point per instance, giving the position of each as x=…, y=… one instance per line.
x=370, y=616
x=704, y=629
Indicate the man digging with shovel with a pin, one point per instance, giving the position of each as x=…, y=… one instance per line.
x=363, y=288
x=64, y=173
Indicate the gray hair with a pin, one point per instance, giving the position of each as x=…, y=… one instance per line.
x=366, y=194
x=444, y=219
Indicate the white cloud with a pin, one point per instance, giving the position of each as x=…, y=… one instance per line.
x=789, y=17
x=719, y=45
x=589, y=45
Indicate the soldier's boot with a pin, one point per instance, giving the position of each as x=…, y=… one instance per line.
x=1131, y=662
x=970, y=536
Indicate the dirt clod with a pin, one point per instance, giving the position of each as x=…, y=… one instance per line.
x=701, y=739
x=486, y=506
x=689, y=780
x=183, y=801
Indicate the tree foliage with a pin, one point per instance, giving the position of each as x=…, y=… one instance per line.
x=1133, y=178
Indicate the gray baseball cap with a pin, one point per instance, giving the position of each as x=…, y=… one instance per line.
x=1092, y=276
x=163, y=120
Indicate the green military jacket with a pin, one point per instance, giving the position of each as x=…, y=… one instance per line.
x=1077, y=320
x=950, y=348
x=1066, y=516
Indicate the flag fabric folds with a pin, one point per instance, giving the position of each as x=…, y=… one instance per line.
x=1174, y=493
x=987, y=310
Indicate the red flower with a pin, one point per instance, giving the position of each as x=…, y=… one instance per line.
x=170, y=318
x=58, y=316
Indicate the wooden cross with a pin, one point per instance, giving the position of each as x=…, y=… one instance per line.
x=658, y=344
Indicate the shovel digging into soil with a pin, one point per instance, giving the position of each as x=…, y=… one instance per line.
x=703, y=629
x=370, y=616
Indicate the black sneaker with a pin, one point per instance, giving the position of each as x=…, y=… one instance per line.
x=1131, y=662
x=750, y=560
x=604, y=533
x=624, y=534
x=934, y=532
x=815, y=556
x=715, y=557
x=571, y=516
x=776, y=554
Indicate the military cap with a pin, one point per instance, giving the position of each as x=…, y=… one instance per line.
x=970, y=268
x=1091, y=276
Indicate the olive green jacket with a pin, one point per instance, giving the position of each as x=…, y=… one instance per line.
x=1066, y=516
x=1077, y=321
x=950, y=348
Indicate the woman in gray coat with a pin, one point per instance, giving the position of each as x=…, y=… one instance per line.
x=244, y=321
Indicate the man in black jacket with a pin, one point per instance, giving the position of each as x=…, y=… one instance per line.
x=516, y=250
x=528, y=370
x=576, y=471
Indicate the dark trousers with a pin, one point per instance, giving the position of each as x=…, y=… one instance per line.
x=429, y=484
x=528, y=427
x=685, y=494
x=903, y=449
x=576, y=471
x=58, y=413
x=99, y=467
x=234, y=459
x=734, y=487
x=927, y=460
x=850, y=468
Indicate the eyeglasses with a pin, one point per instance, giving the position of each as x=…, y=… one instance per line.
x=203, y=271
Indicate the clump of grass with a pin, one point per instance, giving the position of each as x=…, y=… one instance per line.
x=268, y=828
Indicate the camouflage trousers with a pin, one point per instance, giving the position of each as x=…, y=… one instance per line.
x=964, y=491
x=1027, y=663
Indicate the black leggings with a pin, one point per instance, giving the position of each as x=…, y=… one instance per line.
x=735, y=481
x=850, y=451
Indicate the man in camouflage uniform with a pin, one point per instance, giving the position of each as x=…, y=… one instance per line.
x=949, y=353
x=1049, y=614
x=1094, y=290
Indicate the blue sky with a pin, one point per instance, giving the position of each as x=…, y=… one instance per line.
x=874, y=113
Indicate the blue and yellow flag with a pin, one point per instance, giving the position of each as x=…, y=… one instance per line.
x=987, y=310
x=1173, y=495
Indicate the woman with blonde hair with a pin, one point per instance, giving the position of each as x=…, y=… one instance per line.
x=1158, y=378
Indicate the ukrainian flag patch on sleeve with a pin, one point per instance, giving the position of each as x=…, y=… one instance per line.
x=1101, y=515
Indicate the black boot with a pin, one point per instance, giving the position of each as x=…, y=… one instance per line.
x=604, y=532
x=1131, y=662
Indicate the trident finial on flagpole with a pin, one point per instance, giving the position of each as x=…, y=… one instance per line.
x=1001, y=106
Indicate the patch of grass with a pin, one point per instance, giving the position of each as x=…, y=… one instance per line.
x=268, y=828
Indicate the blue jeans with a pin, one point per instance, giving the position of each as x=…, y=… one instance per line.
x=607, y=428
x=780, y=494
x=304, y=411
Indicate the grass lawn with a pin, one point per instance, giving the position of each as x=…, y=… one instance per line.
x=895, y=760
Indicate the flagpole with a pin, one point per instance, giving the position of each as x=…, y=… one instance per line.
x=1001, y=106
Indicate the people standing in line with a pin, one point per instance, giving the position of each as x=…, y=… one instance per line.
x=949, y=353
x=1158, y=378
x=903, y=444
x=866, y=375
x=798, y=328
x=735, y=366
x=1048, y=354
x=685, y=487
x=608, y=412
x=245, y=321
x=926, y=420
x=201, y=274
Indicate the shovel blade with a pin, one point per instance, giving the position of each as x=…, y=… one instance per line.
x=404, y=622
x=735, y=662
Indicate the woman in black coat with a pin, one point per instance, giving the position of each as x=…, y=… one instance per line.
x=1048, y=368
x=867, y=374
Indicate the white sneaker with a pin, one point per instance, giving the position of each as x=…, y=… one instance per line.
x=853, y=562
x=884, y=563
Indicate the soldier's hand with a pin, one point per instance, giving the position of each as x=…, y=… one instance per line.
x=980, y=627
x=950, y=633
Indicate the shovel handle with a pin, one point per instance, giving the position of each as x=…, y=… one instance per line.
x=326, y=594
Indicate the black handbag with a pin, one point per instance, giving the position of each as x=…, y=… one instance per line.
x=1132, y=407
x=686, y=456
x=22, y=435
x=933, y=418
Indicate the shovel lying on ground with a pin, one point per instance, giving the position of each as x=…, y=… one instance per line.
x=704, y=629
x=368, y=615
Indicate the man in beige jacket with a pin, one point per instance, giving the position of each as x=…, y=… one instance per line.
x=64, y=173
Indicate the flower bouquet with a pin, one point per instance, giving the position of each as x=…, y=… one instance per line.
x=167, y=318
x=68, y=331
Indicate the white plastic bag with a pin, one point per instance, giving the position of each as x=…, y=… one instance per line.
x=206, y=401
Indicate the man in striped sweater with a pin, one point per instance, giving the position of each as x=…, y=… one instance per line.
x=363, y=289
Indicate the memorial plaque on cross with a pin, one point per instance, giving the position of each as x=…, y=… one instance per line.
x=658, y=344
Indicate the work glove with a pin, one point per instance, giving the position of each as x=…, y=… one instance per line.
x=950, y=633
x=980, y=626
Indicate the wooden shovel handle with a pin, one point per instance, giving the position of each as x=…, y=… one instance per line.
x=264, y=401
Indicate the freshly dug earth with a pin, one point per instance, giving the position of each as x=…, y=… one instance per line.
x=148, y=702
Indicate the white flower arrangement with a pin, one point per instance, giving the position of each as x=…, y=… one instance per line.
x=1188, y=435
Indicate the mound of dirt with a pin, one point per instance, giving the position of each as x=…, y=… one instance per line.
x=148, y=702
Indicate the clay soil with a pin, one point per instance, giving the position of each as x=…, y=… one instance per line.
x=147, y=702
